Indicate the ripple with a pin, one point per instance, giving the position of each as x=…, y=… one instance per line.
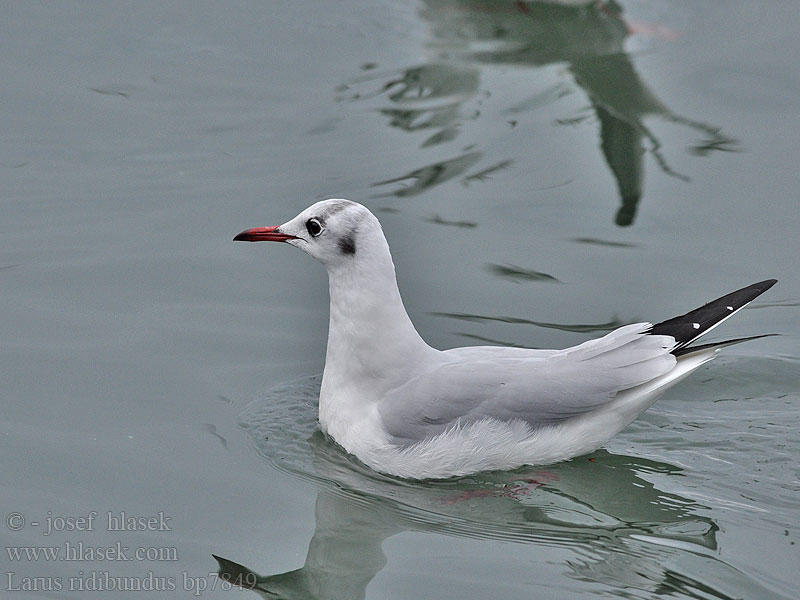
x=738, y=453
x=629, y=522
x=532, y=503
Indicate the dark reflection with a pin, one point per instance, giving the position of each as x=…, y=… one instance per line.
x=419, y=180
x=569, y=327
x=481, y=339
x=486, y=173
x=443, y=95
x=606, y=243
x=439, y=220
x=573, y=328
x=625, y=531
x=518, y=274
x=786, y=302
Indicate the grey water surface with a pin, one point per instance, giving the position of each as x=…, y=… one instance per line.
x=544, y=173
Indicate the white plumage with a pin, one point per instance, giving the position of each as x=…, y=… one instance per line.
x=409, y=410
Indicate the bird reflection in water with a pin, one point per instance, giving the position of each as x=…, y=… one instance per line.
x=625, y=531
x=467, y=35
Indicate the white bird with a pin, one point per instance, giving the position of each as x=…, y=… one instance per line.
x=409, y=410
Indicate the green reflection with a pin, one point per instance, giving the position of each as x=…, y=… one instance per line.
x=444, y=95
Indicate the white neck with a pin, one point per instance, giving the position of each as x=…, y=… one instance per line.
x=372, y=344
x=369, y=326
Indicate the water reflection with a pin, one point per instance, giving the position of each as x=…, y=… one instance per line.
x=570, y=327
x=443, y=95
x=439, y=220
x=623, y=530
x=517, y=274
x=603, y=509
x=421, y=179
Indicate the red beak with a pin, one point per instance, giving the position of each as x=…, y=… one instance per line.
x=263, y=234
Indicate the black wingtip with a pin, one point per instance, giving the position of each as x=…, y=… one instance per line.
x=687, y=328
x=765, y=285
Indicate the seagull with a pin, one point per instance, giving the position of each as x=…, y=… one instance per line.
x=408, y=410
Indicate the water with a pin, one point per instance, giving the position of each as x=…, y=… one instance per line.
x=543, y=175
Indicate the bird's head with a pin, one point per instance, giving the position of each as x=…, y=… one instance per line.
x=336, y=232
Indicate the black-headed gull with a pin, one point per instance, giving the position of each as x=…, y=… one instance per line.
x=409, y=410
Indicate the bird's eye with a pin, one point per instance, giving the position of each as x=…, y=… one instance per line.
x=314, y=227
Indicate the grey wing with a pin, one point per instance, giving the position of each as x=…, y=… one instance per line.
x=538, y=391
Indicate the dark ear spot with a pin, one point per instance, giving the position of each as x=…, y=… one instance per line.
x=347, y=245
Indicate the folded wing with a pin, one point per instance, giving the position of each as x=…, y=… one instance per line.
x=538, y=391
